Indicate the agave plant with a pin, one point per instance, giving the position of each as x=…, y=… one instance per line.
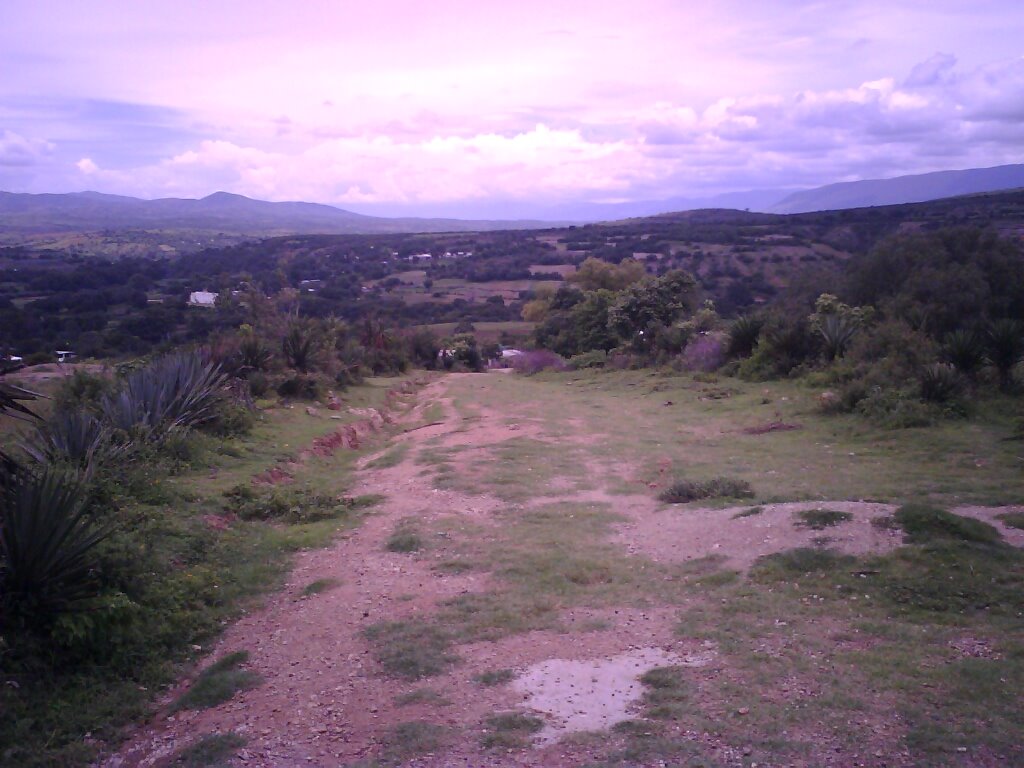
x=175, y=392
x=1005, y=347
x=73, y=437
x=837, y=331
x=12, y=402
x=253, y=354
x=743, y=335
x=47, y=546
x=965, y=350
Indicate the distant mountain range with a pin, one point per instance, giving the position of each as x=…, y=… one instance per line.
x=219, y=212
x=30, y=214
x=902, y=189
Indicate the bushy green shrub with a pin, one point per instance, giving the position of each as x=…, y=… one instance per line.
x=940, y=383
x=301, y=387
x=965, y=351
x=597, y=358
x=894, y=409
x=286, y=506
x=743, y=335
x=259, y=384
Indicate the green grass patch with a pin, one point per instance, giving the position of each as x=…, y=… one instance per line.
x=667, y=694
x=392, y=457
x=510, y=730
x=212, y=751
x=495, y=677
x=800, y=560
x=751, y=512
x=411, y=650
x=218, y=683
x=318, y=586
x=1012, y=519
x=684, y=491
x=820, y=519
x=923, y=524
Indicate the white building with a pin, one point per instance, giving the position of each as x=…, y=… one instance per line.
x=202, y=299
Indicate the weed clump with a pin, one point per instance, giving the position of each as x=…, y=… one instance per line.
x=683, y=491
x=924, y=524
x=748, y=512
x=405, y=538
x=416, y=737
x=820, y=519
x=318, y=586
x=286, y=506
x=218, y=683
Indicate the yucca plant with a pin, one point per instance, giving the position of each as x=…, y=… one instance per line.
x=73, y=437
x=743, y=335
x=940, y=383
x=1005, y=347
x=965, y=350
x=253, y=354
x=47, y=545
x=179, y=391
x=300, y=346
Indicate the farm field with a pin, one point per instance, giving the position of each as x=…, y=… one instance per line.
x=525, y=593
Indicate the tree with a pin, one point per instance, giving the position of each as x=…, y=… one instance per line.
x=594, y=274
x=652, y=303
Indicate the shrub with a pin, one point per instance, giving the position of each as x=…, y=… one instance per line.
x=218, y=683
x=230, y=419
x=923, y=523
x=940, y=383
x=259, y=383
x=743, y=335
x=704, y=353
x=82, y=390
x=800, y=560
x=537, y=360
x=965, y=351
x=596, y=358
x=300, y=387
x=287, y=506
x=683, y=491
x=820, y=519
x=47, y=547
x=1005, y=348
x=894, y=410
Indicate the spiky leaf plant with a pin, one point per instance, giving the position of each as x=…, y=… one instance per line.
x=175, y=392
x=12, y=403
x=743, y=335
x=837, y=331
x=965, y=350
x=74, y=437
x=940, y=383
x=1005, y=347
x=47, y=544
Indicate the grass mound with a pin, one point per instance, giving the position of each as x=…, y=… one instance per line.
x=924, y=524
x=405, y=538
x=683, y=491
x=1012, y=519
x=666, y=693
x=212, y=750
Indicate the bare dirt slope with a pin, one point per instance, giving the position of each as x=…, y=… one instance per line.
x=590, y=628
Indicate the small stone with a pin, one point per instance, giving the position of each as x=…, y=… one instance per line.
x=743, y=711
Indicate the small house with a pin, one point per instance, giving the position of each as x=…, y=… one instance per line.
x=202, y=299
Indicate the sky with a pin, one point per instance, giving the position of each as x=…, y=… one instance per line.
x=454, y=107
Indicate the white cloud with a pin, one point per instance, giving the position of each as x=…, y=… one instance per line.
x=18, y=150
x=87, y=166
